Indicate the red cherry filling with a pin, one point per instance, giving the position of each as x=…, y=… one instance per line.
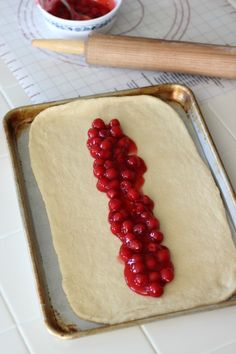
x=84, y=9
x=120, y=173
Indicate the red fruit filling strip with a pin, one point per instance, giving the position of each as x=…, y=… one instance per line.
x=84, y=9
x=120, y=171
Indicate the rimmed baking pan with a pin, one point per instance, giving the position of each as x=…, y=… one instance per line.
x=58, y=315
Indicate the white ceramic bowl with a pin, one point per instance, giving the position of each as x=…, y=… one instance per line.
x=75, y=28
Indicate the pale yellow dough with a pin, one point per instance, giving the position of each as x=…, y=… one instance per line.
x=187, y=202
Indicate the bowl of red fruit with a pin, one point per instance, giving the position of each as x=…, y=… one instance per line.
x=78, y=18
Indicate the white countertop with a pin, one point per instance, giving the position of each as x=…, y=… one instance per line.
x=21, y=325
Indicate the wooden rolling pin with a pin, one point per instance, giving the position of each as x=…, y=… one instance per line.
x=149, y=54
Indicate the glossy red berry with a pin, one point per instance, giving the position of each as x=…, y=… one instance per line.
x=129, y=237
x=136, y=258
x=113, y=193
x=146, y=215
x=125, y=253
x=154, y=276
x=115, y=228
x=135, y=245
x=139, y=229
x=115, y=204
x=111, y=173
x=125, y=213
x=110, y=217
x=133, y=194
x=114, y=122
x=128, y=175
x=114, y=184
x=104, y=133
x=109, y=164
x=116, y=131
x=98, y=171
x=133, y=161
x=106, y=145
x=125, y=186
x=102, y=184
x=98, y=123
x=142, y=166
x=167, y=274
x=156, y=235
x=92, y=132
x=155, y=289
x=152, y=223
x=95, y=141
x=95, y=152
x=127, y=226
x=137, y=267
x=151, y=262
x=141, y=279
x=152, y=247
x=124, y=142
x=98, y=162
x=148, y=202
x=139, y=208
x=163, y=255
x=118, y=217
x=104, y=154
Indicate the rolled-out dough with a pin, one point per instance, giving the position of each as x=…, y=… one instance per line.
x=187, y=203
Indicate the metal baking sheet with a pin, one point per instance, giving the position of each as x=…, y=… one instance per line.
x=59, y=317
